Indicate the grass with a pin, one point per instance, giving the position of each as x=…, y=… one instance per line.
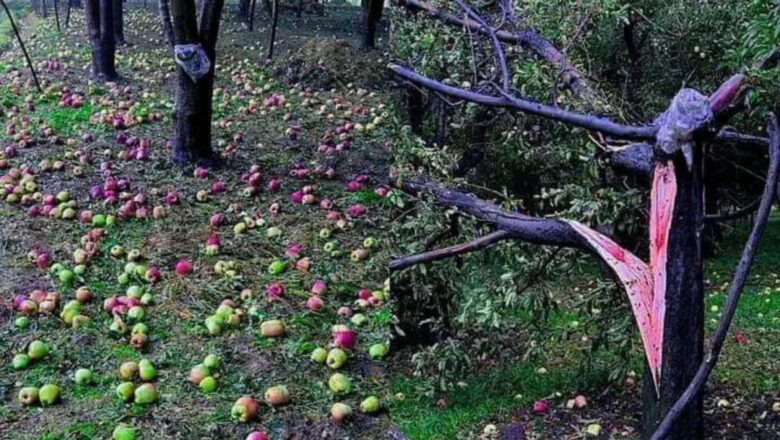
x=489, y=395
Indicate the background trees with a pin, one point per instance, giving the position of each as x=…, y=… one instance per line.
x=100, y=29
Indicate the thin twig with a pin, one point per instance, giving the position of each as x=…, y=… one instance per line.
x=439, y=254
x=21, y=44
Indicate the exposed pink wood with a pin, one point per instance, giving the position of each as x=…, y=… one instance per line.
x=662, y=198
x=637, y=279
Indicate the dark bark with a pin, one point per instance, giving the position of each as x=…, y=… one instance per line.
x=691, y=397
x=441, y=254
x=193, y=109
x=242, y=12
x=57, y=14
x=371, y=14
x=251, y=18
x=475, y=151
x=100, y=28
x=528, y=38
x=165, y=17
x=67, y=15
x=274, y=24
x=415, y=108
x=119, y=22
x=683, y=337
x=21, y=45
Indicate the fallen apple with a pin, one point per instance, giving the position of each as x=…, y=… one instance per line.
x=340, y=412
x=125, y=391
x=83, y=376
x=272, y=329
x=370, y=405
x=145, y=394
x=20, y=362
x=128, y=370
x=123, y=432
x=340, y=383
x=37, y=350
x=277, y=395
x=146, y=370
x=208, y=384
x=49, y=394
x=245, y=409
x=28, y=395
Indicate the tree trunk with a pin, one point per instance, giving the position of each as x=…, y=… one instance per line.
x=274, y=22
x=193, y=109
x=100, y=27
x=251, y=18
x=57, y=15
x=372, y=13
x=192, y=119
x=243, y=10
x=119, y=22
x=684, y=318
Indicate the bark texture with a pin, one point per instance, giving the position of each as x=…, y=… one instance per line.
x=100, y=28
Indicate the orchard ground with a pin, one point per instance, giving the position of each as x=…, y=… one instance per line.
x=279, y=140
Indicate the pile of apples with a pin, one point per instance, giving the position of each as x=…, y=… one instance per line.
x=204, y=375
x=144, y=394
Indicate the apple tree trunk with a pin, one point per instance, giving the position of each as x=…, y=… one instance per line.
x=100, y=28
x=119, y=22
x=372, y=13
x=683, y=337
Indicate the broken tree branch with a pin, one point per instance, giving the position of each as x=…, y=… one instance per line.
x=735, y=290
x=589, y=122
x=451, y=251
x=498, y=51
x=733, y=215
x=521, y=227
x=524, y=37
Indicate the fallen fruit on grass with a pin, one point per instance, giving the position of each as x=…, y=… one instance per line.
x=370, y=405
x=125, y=391
x=37, y=350
x=198, y=373
x=211, y=361
x=183, y=267
x=245, y=409
x=83, y=376
x=340, y=383
x=578, y=402
x=145, y=394
x=319, y=355
x=28, y=395
x=336, y=358
x=277, y=395
x=377, y=351
x=20, y=362
x=128, y=370
x=257, y=435
x=314, y=303
x=540, y=407
x=123, y=432
x=340, y=411
x=359, y=319
x=593, y=430
x=208, y=384
x=343, y=337
x=276, y=267
x=146, y=370
x=49, y=394
x=272, y=329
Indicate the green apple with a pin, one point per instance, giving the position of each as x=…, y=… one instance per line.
x=340, y=411
x=83, y=376
x=319, y=355
x=377, y=351
x=145, y=394
x=370, y=405
x=37, y=350
x=125, y=391
x=20, y=361
x=211, y=361
x=208, y=384
x=340, y=383
x=22, y=322
x=28, y=395
x=123, y=432
x=146, y=370
x=276, y=267
x=336, y=358
x=66, y=276
x=49, y=394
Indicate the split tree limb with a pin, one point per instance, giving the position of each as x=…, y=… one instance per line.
x=735, y=289
x=521, y=227
x=21, y=45
x=483, y=242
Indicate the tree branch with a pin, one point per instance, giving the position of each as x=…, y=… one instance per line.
x=483, y=242
x=589, y=122
x=735, y=290
x=738, y=213
x=521, y=227
x=498, y=51
x=524, y=37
